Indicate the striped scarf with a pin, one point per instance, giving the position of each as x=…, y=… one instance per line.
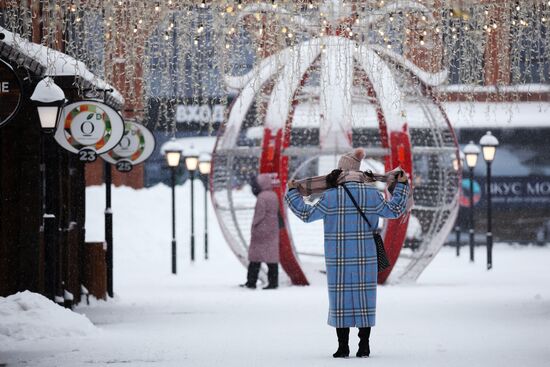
x=318, y=184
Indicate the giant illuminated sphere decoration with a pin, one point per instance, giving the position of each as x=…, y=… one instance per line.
x=317, y=100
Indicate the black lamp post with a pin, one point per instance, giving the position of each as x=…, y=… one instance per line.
x=489, y=144
x=192, y=162
x=172, y=152
x=49, y=100
x=458, y=164
x=204, y=169
x=471, y=152
x=109, y=255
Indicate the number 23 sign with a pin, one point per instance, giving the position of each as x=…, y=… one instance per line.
x=89, y=128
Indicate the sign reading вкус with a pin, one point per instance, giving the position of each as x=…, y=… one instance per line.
x=527, y=191
x=10, y=93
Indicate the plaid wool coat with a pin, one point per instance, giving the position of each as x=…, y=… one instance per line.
x=350, y=251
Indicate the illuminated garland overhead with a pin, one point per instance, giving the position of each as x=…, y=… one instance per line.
x=179, y=51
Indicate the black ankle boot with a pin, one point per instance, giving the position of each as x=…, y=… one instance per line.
x=252, y=275
x=364, y=347
x=342, y=352
x=343, y=340
x=272, y=276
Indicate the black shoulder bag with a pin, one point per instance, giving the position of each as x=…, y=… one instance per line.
x=383, y=262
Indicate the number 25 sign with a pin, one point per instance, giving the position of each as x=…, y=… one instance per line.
x=137, y=144
x=89, y=128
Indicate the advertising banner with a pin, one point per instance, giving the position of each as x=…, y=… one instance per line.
x=89, y=128
x=527, y=191
x=10, y=93
x=137, y=144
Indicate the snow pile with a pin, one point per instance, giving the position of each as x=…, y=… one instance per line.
x=47, y=91
x=30, y=316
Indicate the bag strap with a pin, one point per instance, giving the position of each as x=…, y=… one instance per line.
x=356, y=205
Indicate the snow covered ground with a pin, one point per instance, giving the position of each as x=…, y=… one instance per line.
x=457, y=314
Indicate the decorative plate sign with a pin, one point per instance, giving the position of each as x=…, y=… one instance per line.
x=135, y=147
x=10, y=92
x=89, y=128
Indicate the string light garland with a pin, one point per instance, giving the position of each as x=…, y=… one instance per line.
x=156, y=42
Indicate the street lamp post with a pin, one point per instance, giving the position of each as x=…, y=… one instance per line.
x=172, y=152
x=489, y=144
x=191, y=162
x=457, y=234
x=108, y=178
x=471, y=152
x=204, y=169
x=49, y=100
x=458, y=163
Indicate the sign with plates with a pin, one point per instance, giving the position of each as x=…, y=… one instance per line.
x=135, y=147
x=89, y=128
x=10, y=93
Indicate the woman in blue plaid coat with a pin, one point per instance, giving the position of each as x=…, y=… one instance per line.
x=350, y=251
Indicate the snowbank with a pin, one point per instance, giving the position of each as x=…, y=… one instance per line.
x=30, y=316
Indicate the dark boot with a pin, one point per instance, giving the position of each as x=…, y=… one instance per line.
x=364, y=347
x=272, y=276
x=252, y=275
x=343, y=340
